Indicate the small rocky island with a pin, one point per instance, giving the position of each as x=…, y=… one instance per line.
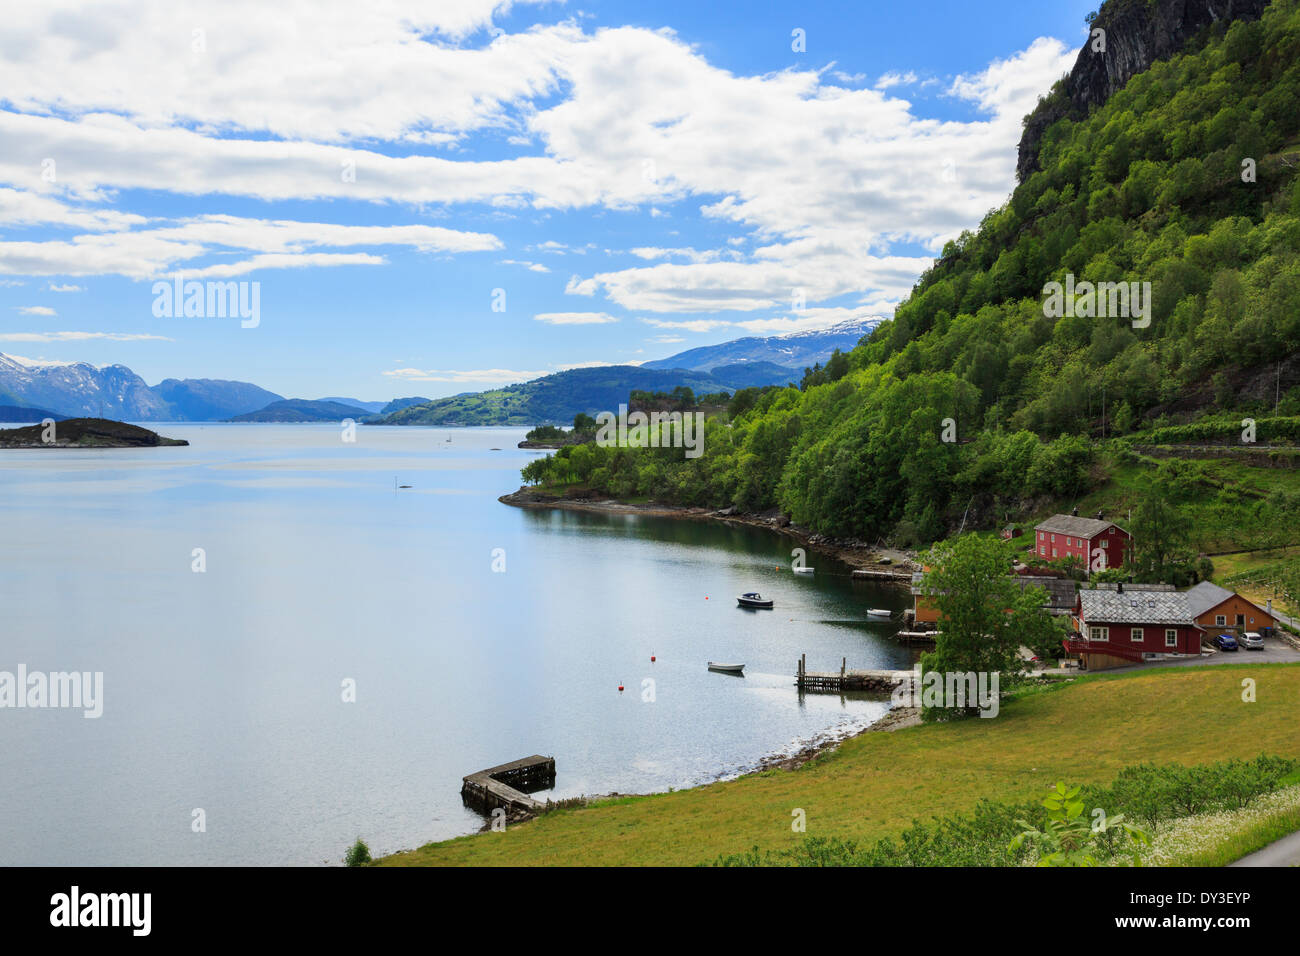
x=84, y=433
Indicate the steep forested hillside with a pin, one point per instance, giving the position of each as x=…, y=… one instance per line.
x=1185, y=179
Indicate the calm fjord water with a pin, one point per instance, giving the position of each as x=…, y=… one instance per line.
x=223, y=689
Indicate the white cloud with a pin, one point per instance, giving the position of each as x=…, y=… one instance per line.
x=278, y=244
x=80, y=337
x=36, y=310
x=575, y=318
x=572, y=365
x=56, y=287
x=494, y=376
x=895, y=78
x=1009, y=88
x=621, y=119
x=293, y=69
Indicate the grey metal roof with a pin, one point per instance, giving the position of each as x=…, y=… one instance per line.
x=1206, y=595
x=1135, y=605
x=1077, y=527
x=1060, y=591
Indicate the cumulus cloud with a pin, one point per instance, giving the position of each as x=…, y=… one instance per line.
x=370, y=104
x=278, y=244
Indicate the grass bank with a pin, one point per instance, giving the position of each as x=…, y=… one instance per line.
x=876, y=784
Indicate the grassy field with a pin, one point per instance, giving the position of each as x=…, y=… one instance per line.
x=876, y=784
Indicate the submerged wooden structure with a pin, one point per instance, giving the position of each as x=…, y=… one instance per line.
x=508, y=786
x=844, y=680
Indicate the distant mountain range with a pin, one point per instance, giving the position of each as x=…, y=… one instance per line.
x=206, y=399
x=793, y=350
x=557, y=398
x=371, y=407
x=78, y=389
x=307, y=410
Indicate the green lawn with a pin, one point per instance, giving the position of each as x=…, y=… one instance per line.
x=875, y=784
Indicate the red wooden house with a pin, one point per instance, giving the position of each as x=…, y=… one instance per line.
x=1092, y=542
x=1118, y=624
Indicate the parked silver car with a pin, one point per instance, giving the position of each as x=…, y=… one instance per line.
x=1252, y=641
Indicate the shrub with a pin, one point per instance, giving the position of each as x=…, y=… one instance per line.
x=358, y=854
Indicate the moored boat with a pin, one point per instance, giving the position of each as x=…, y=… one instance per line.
x=727, y=668
x=879, y=613
x=803, y=570
x=753, y=599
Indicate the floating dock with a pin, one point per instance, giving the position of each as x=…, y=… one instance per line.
x=844, y=680
x=508, y=785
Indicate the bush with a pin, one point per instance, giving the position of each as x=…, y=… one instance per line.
x=358, y=854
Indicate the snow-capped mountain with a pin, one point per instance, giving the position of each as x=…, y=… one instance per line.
x=78, y=389
x=793, y=350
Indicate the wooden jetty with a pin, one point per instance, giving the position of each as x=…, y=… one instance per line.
x=508, y=785
x=916, y=637
x=845, y=679
x=882, y=574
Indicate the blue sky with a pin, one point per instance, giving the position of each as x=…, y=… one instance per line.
x=628, y=179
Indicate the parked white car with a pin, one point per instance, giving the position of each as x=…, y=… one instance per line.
x=1252, y=641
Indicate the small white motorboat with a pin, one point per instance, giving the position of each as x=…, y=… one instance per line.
x=880, y=614
x=727, y=668
x=803, y=570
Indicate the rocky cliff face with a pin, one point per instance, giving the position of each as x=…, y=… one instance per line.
x=1138, y=33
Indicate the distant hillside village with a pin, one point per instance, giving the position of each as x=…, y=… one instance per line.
x=1120, y=623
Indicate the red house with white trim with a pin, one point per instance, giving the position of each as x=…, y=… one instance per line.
x=1118, y=624
x=1093, y=543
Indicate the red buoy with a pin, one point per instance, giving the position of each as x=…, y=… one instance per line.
x=620, y=688
x=652, y=658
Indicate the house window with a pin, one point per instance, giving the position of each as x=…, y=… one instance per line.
x=1220, y=620
x=1171, y=638
x=1068, y=541
x=1043, y=550
x=1053, y=539
x=1098, y=633
x=1105, y=542
x=1136, y=635
x=1241, y=620
x=1053, y=552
